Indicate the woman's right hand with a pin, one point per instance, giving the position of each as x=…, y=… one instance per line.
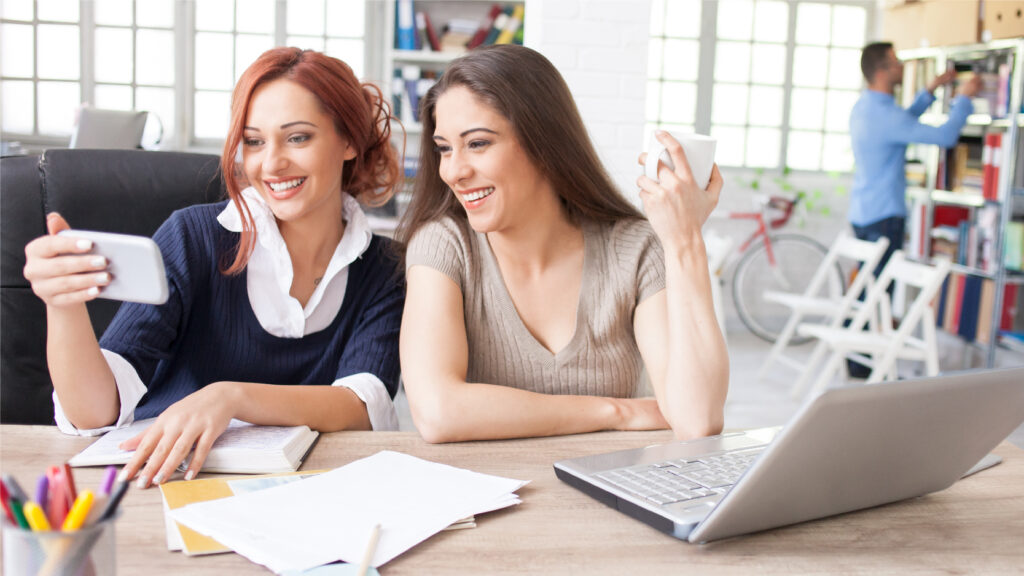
x=640, y=414
x=59, y=268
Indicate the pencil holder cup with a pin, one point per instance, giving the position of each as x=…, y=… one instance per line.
x=89, y=551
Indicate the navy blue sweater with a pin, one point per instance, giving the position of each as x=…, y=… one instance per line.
x=207, y=330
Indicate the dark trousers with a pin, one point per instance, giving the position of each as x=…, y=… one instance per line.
x=891, y=228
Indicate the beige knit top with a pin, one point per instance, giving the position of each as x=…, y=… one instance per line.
x=623, y=263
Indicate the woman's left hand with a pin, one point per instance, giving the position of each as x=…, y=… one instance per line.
x=196, y=420
x=675, y=206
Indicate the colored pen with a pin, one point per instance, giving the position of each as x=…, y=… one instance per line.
x=5, y=499
x=79, y=512
x=36, y=517
x=108, y=480
x=43, y=492
x=371, y=549
x=14, y=489
x=115, y=500
x=69, y=481
x=58, y=504
x=19, y=514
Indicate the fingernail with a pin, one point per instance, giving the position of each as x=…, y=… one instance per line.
x=84, y=244
x=99, y=262
x=123, y=476
x=102, y=278
x=143, y=480
x=159, y=478
x=93, y=291
x=190, y=474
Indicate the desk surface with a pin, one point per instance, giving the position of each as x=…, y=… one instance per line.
x=976, y=526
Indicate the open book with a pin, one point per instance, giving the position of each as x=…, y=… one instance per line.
x=242, y=449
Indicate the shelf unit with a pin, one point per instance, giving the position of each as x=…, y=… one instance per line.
x=978, y=125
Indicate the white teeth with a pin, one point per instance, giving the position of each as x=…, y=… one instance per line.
x=281, y=186
x=478, y=194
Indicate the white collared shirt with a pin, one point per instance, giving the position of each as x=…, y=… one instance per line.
x=268, y=281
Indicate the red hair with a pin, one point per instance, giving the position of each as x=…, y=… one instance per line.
x=360, y=114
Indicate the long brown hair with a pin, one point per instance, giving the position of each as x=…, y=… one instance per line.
x=360, y=114
x=524, y=87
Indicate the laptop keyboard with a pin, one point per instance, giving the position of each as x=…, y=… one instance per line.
x=683, y=479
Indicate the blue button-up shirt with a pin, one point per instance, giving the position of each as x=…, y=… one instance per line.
x=880, y=131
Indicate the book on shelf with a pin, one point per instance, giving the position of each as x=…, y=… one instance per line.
x=1012, y=340
x=1013, y=247
x=243, y=448
x=991, y=159
x=499, y=24
x=426, y=33
x=485, y=27
x=405, y=25
x=512, y=24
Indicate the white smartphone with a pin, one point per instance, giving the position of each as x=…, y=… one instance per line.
x=135, y=265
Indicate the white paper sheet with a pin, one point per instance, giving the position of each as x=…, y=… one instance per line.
x=329, y=517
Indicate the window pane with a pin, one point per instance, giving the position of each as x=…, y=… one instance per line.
x=837, y=111
x=678, y=102
x=305, y=17
x=804, y=150
x=348, y=18
x=17, y=46
x=57, y=50
x=213, y=61
x=848, y=26
x=766, y=106
x=218, y=15
x=807, y=108
x=732, y=61
x=154, y=50
x=771, y=21
x=159, y=101
x=844, y=68
x=249, y=49
x=114, y=55
x=837, y=153
x=729, y=104
x=763, y=147
x=213, y=111
x=113, y=97
x=306, y=42
x=155, y=13
x=257, y=16
x=731, y=145
x=56, y=11
x=657, y=18
x=350, y=52
x=813, y=24
x=809, y=65
x=655, y=52
x=18, y=106
x=769, y=65
x=58, y=102
x=682, y=18
x=113, y=12
x=16, y=11
x=736, y=19
x=653, y=101
x=682, y=58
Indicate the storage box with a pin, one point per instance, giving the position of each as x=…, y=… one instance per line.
x=1002, y=19
x=932, y=23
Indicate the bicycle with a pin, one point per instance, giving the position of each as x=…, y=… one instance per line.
x=775, y=261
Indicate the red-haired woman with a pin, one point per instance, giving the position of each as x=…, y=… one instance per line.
x=284, y=309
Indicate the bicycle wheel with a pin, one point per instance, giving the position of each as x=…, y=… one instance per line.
x=797, y=258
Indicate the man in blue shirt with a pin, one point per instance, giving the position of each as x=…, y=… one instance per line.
x=880, y=130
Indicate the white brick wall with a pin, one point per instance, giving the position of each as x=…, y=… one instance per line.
x=600, y=47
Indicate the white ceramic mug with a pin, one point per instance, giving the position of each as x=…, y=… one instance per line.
x=699, y=150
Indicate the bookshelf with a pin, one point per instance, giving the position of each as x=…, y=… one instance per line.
x=961, y=207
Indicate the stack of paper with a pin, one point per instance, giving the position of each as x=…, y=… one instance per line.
x=325, y=518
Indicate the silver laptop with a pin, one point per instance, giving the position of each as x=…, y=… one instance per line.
x=845, y=450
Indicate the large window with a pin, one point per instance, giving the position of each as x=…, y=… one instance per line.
x=178, y=59
x=772, y=80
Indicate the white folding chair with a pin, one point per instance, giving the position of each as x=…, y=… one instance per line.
x=882, y=348
x=812, y=303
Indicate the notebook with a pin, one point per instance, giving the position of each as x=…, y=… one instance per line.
x=844, y=450
x=242, y=449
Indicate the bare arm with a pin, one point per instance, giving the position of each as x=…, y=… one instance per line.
x=677, y=332
x=446, y=408
x=65, y=278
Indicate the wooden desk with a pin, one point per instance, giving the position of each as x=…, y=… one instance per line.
x=977, y=526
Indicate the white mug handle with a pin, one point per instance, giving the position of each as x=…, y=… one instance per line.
x=651, y=166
